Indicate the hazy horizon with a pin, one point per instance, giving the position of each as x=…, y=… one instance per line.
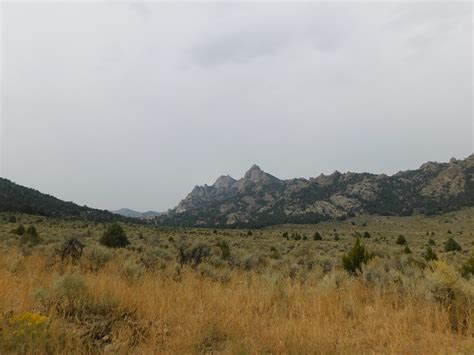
x=130, y=105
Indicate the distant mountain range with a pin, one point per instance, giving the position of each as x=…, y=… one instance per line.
x=260, y=199
x=20, y=199
x=126, y=212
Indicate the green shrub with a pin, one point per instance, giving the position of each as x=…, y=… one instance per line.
x=296, y=236
x=452, y=245
x=249, y=262
x=468, y=267
x=407, y=250
x=30, y=237
x=401, y=240
x=317, y=236
x=32, y=231
x=114, y=237
x=430, y=255
x=225, y=250
x=352, y=262
x=431, y=242
x=207, y=270
x=12, y=219
x=195, y=254
x=366, y=234
x=285, y=235
x=20, y=230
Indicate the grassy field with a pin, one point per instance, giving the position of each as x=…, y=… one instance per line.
x=273, y=290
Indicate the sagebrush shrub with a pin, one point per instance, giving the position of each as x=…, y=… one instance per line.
x=131, y=270
x=453, y=293
x=30, y=237
x=194, y=254
x=467, y=269
x=207, y=270
x=97, y=256
x=70, y=287
x=249, y=262
x=430, y=255
x=40, y=296
x=225, y=249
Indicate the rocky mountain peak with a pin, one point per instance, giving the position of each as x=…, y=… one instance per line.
x=260, y=199
x=255, y=174
x=224, y=182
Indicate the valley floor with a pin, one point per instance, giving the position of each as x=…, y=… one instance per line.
x=275, y=290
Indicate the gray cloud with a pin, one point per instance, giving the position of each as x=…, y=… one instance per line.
x=261, y=30
x=131, y=105
x=141, y=8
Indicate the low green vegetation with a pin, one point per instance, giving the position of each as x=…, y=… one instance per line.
x=30, y=236
x=467, y=269
x=114, y=237
x=430, y=255
x=452, y=245
x=353, y=260
x=401, y=240
x=20, y=230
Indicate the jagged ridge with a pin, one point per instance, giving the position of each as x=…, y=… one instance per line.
x=260, y=199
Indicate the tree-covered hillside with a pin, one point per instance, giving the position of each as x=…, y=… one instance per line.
x=20, y=199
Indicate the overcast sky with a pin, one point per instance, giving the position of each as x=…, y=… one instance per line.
x=132, y=104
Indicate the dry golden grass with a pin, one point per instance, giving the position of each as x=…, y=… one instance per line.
x=272, y=295
x=170, y=311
